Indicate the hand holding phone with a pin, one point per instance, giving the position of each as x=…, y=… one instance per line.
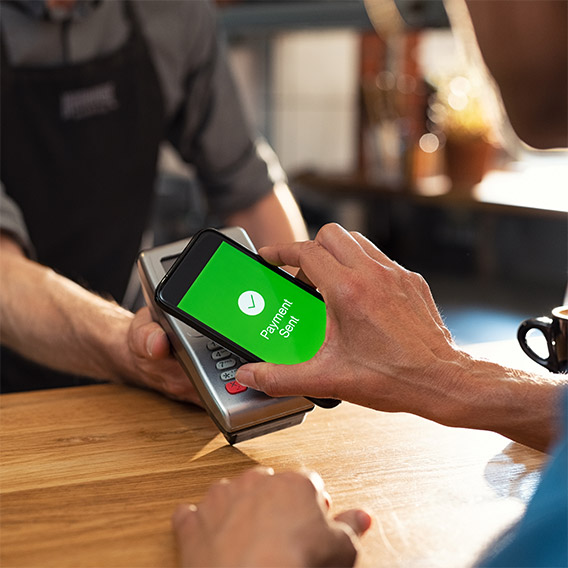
x=245, y=304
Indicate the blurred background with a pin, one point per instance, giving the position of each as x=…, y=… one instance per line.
x=390, y=137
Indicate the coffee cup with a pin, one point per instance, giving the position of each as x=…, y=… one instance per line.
x=555, y=330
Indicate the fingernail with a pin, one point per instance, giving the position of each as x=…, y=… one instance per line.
x=364, y=520
x=317, y=482
x=245, y=377
x=181, y=513
x=150, y=342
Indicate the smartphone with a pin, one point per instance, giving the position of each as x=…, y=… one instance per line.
x=250, y=307
x=239, y=413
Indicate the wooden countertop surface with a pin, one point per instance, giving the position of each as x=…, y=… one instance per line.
x=90, y=477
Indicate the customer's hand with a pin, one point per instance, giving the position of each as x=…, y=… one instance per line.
x=152, y=364
x=262, y=519
x=386, y=346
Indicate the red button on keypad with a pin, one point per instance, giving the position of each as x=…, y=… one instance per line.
x=233, y=387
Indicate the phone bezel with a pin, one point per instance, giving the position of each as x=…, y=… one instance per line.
x=183, y=273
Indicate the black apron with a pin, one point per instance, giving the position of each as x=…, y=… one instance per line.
x=79, y=146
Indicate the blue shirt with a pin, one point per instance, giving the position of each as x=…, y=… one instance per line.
x=541, y=537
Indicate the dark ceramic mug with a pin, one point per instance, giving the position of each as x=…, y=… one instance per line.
x=555, y=330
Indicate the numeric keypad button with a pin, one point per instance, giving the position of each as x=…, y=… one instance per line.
x=225, y=364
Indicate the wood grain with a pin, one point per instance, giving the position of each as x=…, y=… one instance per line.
x=91, y=475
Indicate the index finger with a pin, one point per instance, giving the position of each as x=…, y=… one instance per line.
x=373, y=251
x=342, y=245
x=314, y=261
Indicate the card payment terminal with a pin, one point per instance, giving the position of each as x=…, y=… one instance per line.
x=239, y=413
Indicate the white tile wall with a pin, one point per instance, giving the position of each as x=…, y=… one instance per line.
x=307, y=102
x=314, y=100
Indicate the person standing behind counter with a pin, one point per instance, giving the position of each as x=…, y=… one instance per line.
x=90, y=89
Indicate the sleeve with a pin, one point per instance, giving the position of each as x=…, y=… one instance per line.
x=210, y=129
x=541, y=537
x=12, y=222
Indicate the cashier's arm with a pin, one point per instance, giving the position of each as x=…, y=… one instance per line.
x=274, y=219
x=53, y=321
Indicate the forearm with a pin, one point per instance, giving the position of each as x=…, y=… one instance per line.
x=274, y=219
x=522, y=406
x=55, y=322
x=386, y=347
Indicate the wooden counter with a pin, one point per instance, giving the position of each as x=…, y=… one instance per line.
x=91, y=475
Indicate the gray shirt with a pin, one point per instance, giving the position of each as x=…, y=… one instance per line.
x=205, y=121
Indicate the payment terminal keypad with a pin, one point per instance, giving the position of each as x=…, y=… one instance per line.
x=240, y=413
x=226, y=360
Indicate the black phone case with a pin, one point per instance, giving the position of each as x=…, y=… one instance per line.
x=211, y=333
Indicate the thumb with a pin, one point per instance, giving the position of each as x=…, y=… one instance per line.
x=146, y=338
x=274, y=380
x=358, y=520
x=149, y=341
x=156, y=342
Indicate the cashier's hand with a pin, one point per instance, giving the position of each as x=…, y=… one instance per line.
x=262, y=519
x=386, y=346
x=152, y=363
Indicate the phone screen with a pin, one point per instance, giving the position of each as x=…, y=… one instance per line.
x=256, y=308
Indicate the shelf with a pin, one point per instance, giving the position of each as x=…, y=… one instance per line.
x=496, y=233
x=511, y=191
x=264, y=18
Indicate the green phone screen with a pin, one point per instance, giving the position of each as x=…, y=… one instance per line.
x=256, y=308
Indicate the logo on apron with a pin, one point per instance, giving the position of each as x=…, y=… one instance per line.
x=85, y=103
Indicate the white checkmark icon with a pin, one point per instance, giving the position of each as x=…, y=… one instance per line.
x=251, y=303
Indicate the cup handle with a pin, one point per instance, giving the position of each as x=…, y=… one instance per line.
x=544, y=325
